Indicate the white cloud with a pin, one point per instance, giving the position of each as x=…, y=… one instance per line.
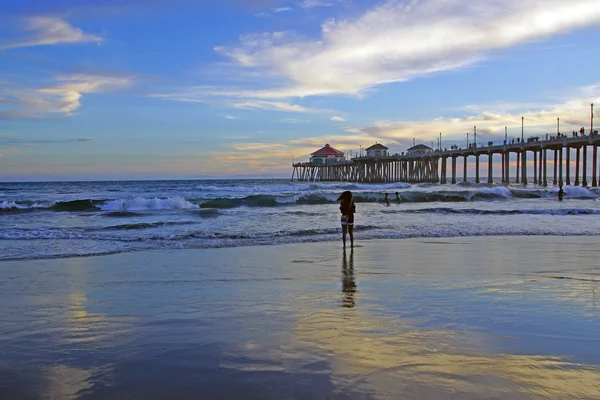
x=400, y=40
x=47, y=30
x=230, y=117
x=294, y=120
x=61, y=98
x=319, y=3
x=337, y=119
x=274, y=106
x=282, y=9
x=538, y=120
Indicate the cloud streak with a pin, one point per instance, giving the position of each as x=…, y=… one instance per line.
x=275, y=106
x=60, y=99
x=399, y=40
x=48, y=30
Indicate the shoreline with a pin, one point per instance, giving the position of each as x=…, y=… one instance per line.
x=358, y=242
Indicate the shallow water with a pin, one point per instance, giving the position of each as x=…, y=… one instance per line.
x=462, y=318
x=46, y=220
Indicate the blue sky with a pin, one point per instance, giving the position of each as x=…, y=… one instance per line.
x=188, y=89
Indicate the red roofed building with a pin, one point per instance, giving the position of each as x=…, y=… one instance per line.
x=327, y=155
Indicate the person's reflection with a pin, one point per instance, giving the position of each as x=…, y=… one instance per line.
x=348, y=281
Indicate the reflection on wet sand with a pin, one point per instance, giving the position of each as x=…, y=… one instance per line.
x=244, y=323
x=391, y=359
x=348, y=281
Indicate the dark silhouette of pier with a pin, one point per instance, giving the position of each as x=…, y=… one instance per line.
x=433, y=166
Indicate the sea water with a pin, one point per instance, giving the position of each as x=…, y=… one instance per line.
x=65, y=219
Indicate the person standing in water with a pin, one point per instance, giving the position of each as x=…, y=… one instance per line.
x=561, y=193
x=386, y=199
x=398, y=199
x=347, y=208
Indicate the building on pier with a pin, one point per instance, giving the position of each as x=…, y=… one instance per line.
x=327, y=155
x=419, y=150
x=377, y=150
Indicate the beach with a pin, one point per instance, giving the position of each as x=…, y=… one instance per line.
x=492, y=317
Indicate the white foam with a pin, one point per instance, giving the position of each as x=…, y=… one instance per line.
x=500, y=191
x=141, y=204
x=7, y=205
x=10, y=205
x=576, y=191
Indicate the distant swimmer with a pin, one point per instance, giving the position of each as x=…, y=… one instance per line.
x=561, y=193
x=386, y=199
x=347, y=208
x=398, y=199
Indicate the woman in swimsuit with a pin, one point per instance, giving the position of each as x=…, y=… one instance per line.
x=347, y=209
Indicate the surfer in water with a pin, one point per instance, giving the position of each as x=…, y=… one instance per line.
x=398, y=199
x=347, y=208
x=386, y=199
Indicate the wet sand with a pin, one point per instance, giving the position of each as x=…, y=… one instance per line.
x=460, y=318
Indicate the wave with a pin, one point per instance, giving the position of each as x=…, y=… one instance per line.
x=76, y=205
x=143, y=204
x=208, y=213
x=12, y=205
x=141, y=225
x=410, y=194
x=301, y=187
x=249, y=201
x=447, y=210
x=122, y=214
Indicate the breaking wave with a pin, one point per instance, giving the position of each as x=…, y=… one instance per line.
x=472, y=211
x=142, y=204
x=305, y=195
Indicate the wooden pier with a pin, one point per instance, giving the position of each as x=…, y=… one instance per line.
x=433, y=166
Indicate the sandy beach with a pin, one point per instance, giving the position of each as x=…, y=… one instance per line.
x=456, y=318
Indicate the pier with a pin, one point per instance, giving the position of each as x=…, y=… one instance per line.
x=516, y=159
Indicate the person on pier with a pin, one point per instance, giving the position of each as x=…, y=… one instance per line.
x=347, y=208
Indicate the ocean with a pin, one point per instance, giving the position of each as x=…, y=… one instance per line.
x=74, y=219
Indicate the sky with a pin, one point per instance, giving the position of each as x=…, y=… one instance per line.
x=157, y=89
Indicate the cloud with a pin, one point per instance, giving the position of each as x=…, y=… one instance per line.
x=294, y=120
x=398, y=135
x=230, y=117
x=319, y=3
x=4, y=139
x=48, y=30
x=538, y=120
x=337, y=119
x=401, y=40
x=61, y=98
x=274, y=106
x=282, y=9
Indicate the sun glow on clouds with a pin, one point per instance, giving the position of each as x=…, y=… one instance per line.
x=400, y=40
x=398, y=135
